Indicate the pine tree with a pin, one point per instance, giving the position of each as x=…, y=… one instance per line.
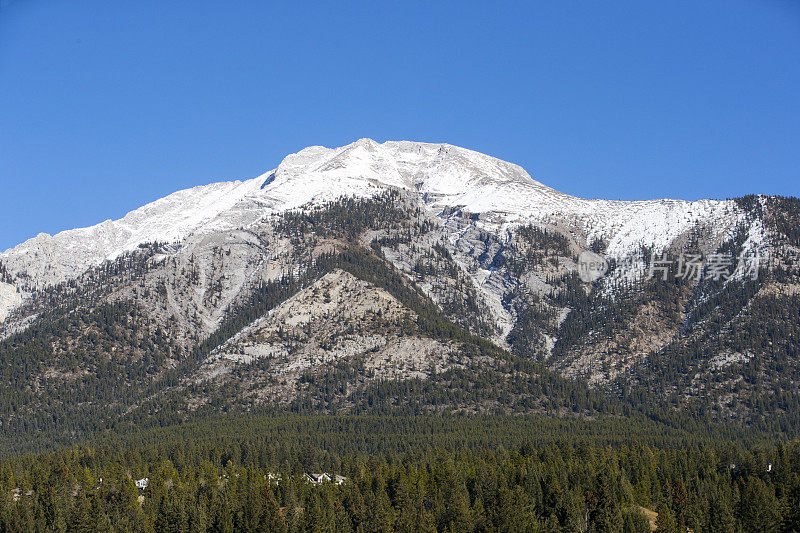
x=635, y=521
x=80, y=520
x=759, y=510
x=665, y=522
x=607, y=516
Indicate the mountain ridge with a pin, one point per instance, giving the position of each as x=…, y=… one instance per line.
x=444, y=176
x=485, y=315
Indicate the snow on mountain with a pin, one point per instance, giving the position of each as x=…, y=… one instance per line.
x=445, y=176
x=449, y=176
x=50, y=259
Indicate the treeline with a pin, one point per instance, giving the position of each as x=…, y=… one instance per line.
x=346, y=217
x=110, y=367
x=486, y=379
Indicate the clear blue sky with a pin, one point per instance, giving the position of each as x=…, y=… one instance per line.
x=105, y=106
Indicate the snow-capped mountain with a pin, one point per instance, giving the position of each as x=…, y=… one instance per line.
x=445, y=176
x=416, y=263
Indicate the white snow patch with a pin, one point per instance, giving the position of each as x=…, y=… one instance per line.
x=445, y=176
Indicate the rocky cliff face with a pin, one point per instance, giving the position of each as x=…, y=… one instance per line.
x=347, y=268
x=442, y=177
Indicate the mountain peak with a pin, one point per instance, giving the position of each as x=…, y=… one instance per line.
x=436, y=169
x=442, y=175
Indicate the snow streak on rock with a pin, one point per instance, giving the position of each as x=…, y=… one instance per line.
x=444, y=177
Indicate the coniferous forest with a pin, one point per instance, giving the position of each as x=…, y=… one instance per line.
x=249, y=473
x=114, y=417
